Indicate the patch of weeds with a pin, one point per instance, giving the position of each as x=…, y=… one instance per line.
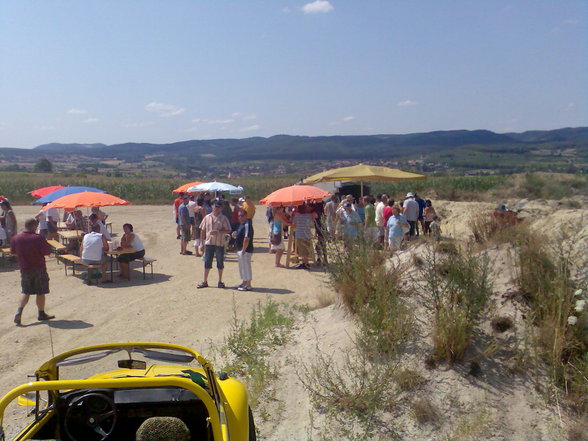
x=501, y=324
x=324, y=299
x=408, y=379
x=446, y=247
x=353, y=394
x=578, y=432
x=425, y=412
x=547, y=272
x=472, y=425
x=249, y=344
x=417, y=260
x=455, y=288
x=430, y=362
x=385, y=320
x=572, y=203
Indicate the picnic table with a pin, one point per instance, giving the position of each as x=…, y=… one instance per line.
x=68, y=235
x=115, y=253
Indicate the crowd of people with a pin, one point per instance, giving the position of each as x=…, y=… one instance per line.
x=92, y=245
x=216, y=225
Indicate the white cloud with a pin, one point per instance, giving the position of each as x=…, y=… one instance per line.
x=236, y=114
x=75, y=111
x=571, y=106
x=407, y=103
x=286, y=10
x=137, y=125
x=349, y=118
x=572, y=22
x=317, y=7
x=252, y=128
x=164, y=110
x=220, y=121
x=191, y=129
x=91, y=120
x=45, y=128
x=250, y=117
x=213, y=121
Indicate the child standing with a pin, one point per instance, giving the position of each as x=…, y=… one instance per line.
x=435, y=228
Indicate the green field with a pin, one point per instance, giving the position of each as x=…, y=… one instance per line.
x=143, y=190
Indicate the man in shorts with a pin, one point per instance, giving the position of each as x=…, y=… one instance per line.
x=30, y=249
x=213, y=228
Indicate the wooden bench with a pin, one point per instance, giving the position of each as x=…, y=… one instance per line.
x=57, y=247
x=5, y=253
x=147, y=261
x=76, y=260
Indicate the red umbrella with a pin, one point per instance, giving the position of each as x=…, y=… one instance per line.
x=294, y=195
x=40, y=192
x=86, y=199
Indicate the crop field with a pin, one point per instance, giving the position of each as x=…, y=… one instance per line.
x=147, y=190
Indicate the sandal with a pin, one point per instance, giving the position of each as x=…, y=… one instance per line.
x=221, y=285
x=17, y=318
x=202, y=285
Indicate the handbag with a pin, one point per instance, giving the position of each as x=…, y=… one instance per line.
x=275, y=238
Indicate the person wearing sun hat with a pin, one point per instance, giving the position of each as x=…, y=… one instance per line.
x=411, y=212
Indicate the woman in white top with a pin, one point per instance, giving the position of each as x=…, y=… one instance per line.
x=129, y=240
x=92, y=249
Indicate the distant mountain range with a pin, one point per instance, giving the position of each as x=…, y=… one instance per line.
x=312, y=148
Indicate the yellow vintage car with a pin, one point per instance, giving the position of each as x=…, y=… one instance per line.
x=170, y=400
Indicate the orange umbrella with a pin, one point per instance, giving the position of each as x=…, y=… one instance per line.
x=40, y=192
x=184, y=188
x=294, y=195
x=86, y=199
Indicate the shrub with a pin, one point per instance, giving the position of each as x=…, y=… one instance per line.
x=455, y=288
x=544, y=270
x=373, y=292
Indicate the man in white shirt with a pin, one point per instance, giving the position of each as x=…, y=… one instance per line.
x=381, y=202
x=411, y=212
x=92, y=249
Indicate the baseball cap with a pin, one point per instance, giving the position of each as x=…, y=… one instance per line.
x=218, y=203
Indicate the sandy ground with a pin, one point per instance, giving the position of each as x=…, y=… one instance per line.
x=169, y=308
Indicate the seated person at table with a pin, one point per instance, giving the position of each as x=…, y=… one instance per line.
x=92, y=250
x=95, y=220
x=129, y=240
x=101, y=214
x=76, y=221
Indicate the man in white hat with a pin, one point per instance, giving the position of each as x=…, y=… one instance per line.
x=411, y=212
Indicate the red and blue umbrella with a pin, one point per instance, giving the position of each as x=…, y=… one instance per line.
x=64, y=192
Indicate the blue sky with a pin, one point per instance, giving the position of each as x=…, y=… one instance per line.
x=171, y=70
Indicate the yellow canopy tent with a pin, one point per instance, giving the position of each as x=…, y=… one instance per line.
x=362, y=172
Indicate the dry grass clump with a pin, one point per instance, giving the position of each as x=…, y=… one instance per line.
x=425, y=412
x=408, y=379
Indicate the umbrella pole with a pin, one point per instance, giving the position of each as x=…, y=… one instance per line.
x=361, y=188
